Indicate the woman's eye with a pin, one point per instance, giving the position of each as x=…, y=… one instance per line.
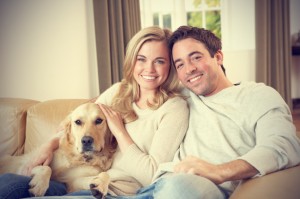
x=141, y=59
x=160, y=61
x=98, y=121
x=78, y=122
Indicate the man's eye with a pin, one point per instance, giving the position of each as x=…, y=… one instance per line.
x=178, y=66
x=98, y=121
x=78, y=122
x=196, y=58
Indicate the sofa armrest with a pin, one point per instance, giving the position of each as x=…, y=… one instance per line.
x=277, y=185
x=44, y=118
x=13, y=113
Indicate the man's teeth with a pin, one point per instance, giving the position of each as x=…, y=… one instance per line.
x=195, y=78
x=148, y=77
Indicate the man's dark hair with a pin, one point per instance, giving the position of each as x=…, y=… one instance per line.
x=209, y=39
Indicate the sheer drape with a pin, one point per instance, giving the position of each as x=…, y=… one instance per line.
x=273, y=48
x=116, y=21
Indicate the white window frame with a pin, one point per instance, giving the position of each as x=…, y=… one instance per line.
x=178, y=10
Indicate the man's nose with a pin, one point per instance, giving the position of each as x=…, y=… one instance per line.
x=190, y=68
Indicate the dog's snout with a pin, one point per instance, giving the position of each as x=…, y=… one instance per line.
x=87, y=141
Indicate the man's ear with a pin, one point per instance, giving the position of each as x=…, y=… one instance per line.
x=219, y=56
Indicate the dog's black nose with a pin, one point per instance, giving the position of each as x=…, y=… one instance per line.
x=87, y=141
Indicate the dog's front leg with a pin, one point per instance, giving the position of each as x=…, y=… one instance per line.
x=97, y=184
x=40, y=180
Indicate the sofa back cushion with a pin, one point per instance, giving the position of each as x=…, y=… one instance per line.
x=13, y=113
x=44, y=118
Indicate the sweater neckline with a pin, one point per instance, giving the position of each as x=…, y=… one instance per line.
x=141, y=112
x=222, y=93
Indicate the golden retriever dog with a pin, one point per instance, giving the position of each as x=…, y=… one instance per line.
x=85, y=152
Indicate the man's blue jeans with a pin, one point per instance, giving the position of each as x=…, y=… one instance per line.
x=177, y=186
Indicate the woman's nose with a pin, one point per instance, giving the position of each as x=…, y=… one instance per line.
x=149, y=66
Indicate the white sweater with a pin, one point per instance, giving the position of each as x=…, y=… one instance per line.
x=249, y=121
x=157, y=135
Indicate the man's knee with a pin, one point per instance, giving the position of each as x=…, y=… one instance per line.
x=187, y=186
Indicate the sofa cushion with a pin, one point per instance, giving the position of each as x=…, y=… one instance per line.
x=44, y=118
x=281, y=184
x=12, y=124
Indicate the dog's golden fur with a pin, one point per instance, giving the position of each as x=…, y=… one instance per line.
x=85, y=151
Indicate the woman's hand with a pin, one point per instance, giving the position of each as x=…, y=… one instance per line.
x=117, y=127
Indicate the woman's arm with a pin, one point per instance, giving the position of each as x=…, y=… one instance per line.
x=167, y=137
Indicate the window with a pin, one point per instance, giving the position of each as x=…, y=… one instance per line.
x=163, y=20
x=174, y=13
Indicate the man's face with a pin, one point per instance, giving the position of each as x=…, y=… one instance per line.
x=196, y=69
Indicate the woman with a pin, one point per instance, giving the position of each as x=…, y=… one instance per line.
x=144, y=112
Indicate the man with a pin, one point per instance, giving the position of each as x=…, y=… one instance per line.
x=236, y=131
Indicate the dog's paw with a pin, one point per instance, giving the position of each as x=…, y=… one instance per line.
x=38, y=187
x=40, y=180
x=96, y=192
x=99, y=185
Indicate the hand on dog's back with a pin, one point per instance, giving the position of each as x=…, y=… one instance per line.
x=44, y=155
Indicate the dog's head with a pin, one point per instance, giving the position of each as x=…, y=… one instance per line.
x=86, y=129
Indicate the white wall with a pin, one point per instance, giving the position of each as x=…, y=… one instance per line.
x=238, y=39
x=47, y=49
x=295, y=28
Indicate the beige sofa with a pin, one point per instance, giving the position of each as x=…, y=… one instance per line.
x=26, y=124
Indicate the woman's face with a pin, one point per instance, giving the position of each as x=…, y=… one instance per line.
x=152, y=65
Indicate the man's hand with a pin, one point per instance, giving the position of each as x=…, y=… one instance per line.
x=44, y=155
x=193, y=165
x=234, y=170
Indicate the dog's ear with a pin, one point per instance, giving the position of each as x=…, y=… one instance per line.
x=65, y=126
x=110, y=140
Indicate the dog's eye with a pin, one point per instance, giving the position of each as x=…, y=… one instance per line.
x=78, y=122
x=98, y=121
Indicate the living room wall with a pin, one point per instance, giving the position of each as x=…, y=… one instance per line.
x=47, y=49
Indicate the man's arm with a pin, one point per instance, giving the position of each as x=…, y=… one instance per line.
x=44, y=155
x=234, y=170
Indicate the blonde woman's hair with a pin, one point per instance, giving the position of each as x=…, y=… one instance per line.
x=129, y=88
